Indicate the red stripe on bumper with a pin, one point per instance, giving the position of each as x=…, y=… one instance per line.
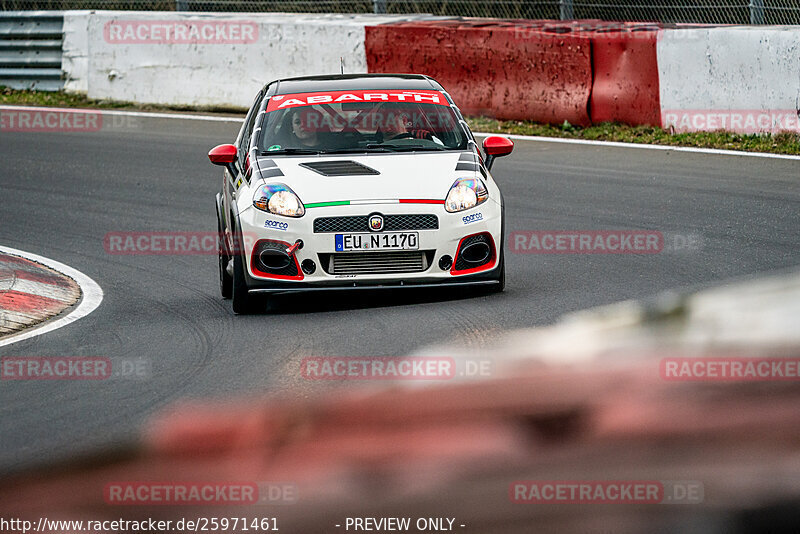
x=420, y=201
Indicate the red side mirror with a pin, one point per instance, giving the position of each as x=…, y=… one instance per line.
x=222, y=154
x=497, y=146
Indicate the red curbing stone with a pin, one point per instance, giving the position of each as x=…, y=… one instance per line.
x=44, y=278
x=27, y=302
x=9, y=260
x=31, y=293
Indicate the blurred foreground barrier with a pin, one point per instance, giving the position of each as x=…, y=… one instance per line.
x=583, y=406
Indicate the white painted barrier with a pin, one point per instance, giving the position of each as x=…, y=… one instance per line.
x=75, y=51
x=742, y=78
x=204, y=59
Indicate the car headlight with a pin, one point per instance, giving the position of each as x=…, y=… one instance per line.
x=278, y=199
x=464, y=194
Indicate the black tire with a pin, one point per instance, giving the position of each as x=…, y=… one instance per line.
x=225, y=280
x=501, y=277
x=243, y=302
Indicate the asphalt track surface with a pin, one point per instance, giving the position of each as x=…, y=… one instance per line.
x=62, y=192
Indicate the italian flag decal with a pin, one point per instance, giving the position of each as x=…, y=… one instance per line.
x=359, y=202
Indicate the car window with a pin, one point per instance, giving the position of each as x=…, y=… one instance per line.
x=247, y=130
x=361, y=120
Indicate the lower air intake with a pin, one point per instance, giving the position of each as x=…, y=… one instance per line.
x=377, y=262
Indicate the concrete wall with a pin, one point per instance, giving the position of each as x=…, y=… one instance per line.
x=745, y=79
x=493, y=68
x=75, y=51
x=139, y=56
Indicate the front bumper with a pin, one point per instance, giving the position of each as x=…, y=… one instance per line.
x=278, y=289
x=317, y=247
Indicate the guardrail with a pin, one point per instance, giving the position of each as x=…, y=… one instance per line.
x=31, y=50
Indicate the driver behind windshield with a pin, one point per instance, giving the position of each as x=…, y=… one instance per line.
x=306, y=128
x=396, y=123
x=380, y=126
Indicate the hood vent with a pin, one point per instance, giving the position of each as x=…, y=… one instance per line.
x=339, y=168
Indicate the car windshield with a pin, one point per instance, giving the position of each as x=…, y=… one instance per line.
x=360, y=121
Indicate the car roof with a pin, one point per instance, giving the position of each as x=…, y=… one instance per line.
x=350, y=82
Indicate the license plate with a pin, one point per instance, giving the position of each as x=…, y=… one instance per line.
x=390, y=241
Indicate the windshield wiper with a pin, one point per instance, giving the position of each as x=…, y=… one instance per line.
x=405, y=148
x=304, y=151
x=369, y=148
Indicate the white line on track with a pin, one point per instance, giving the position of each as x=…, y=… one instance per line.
x=613, y=144
x=90, y=300
x=153, y=115
x=713, y=151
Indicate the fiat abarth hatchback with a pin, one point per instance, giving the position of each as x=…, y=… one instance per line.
x=357, y=182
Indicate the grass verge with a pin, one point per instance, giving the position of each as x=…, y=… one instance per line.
x=782, y=143
x=14, y=97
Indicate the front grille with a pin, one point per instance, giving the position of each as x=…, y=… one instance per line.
x=341, y=224
x=360, y=223
x=414, y=261
x=394, y=223
x=340, y=168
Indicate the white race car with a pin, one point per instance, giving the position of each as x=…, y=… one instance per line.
x=357, y=182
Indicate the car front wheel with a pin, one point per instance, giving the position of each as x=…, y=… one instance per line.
x=243, y=302
x=501, y=277
x=225, y=279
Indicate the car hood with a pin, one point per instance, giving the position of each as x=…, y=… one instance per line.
x=422, y=175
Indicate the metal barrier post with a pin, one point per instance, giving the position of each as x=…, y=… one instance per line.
x=379, y=6
x=181, y=5
x=756, y=11
x=566, y=11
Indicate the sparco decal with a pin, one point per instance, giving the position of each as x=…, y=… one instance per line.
x=475, y=217
x=277, y=225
